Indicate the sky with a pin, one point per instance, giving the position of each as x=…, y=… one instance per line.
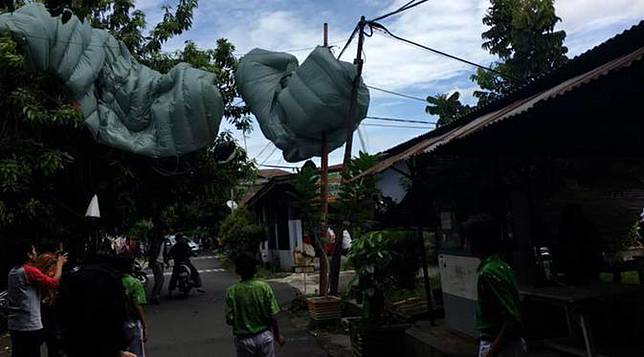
x=452, y=26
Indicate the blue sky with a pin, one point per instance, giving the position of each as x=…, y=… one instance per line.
x=453, y=26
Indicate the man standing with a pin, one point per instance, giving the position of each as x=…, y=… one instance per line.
x=136, y=326
x=24, y=283
x=250, y=309
x=156, y=258
x=498, y=313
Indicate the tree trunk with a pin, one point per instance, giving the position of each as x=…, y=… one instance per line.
x=324, y=266
x=336, y=262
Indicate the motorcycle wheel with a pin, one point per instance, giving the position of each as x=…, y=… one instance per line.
x=143, y=278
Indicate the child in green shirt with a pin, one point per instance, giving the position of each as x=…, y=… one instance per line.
x=250, y=310
x=498, y=310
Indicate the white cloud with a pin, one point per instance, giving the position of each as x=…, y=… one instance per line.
x=452, y=26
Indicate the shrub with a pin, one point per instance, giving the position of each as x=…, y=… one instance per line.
x=239, y=233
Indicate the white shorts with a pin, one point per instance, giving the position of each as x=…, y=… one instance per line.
x=517, y=348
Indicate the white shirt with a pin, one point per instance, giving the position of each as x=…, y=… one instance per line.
x=346, y=240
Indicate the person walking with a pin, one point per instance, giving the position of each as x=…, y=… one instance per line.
x=24, y=315
x=498, y=312
x=156, y=261
x=250, y=310
x=46, y=263
x=136, y=326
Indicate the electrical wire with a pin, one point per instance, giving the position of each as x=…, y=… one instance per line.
x=280, y=167
x=294, y=49
x=386, y=31
x=353, y=34
x=269, y=156
x=263, y=150
x=401, y=120
x=398, y=126
x=405, y=7
x=398, y=94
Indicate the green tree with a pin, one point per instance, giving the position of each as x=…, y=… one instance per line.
x=307, y=202
x=355, y=208
x=522, y=34
x=50, y=166
x=448, y=108
x=239, y=233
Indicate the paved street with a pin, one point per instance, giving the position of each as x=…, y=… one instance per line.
x=196, y=326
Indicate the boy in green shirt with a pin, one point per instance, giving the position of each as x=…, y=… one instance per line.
x=498, y=310
x=136, y=326
x=250, y=309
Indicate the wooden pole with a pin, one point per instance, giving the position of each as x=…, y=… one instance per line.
x=324, y=174
x=324, y=199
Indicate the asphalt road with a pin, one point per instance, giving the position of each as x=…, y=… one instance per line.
x=196, y=327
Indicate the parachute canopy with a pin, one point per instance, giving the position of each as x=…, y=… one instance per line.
x=125, y=104
x=295, y=104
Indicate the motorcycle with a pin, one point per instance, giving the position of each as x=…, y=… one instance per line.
x=4, y=313
x=184, y=279
x=140, y=274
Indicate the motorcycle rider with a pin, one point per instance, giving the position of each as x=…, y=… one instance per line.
x=181, y=253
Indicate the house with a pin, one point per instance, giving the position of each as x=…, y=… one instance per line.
x=560, y=162
x=274, y=206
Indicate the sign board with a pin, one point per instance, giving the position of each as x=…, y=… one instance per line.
x=458, y=275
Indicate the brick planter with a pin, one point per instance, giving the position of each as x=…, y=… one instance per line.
x=324, y=308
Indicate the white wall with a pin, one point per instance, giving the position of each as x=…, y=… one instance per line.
x=390, y=182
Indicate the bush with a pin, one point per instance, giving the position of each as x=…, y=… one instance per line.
x=384, y=261
x=239, y=233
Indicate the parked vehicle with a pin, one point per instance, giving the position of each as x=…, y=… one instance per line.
x=171, y=240
x=4, y=313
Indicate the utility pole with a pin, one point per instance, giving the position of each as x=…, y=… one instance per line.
x=324, y=199
x=353, y=106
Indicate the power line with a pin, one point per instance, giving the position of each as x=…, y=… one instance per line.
x=405, y=7
x=280, y=167
x=295, y=49
x=381, y=27
x=398, y=94
x=263, y=150
x=398, y=126
x=353, y=34
x=269, y=156
x=401, y=120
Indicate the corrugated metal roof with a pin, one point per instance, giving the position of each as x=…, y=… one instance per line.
x=619, y=45
x=515, y=108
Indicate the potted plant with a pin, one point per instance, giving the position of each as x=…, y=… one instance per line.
x=384, y=261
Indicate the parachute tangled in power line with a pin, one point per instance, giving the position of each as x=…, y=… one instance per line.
x=125, y=104
x=295, y=104
x=131, y=107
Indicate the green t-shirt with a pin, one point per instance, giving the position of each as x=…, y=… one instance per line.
x=135, y=294
x=498, y=297
x=250, y=305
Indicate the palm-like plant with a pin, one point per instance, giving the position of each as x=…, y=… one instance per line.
x=448, y=108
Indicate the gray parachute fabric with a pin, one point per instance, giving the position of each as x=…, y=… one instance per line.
x=295, y=105
x=125, y=104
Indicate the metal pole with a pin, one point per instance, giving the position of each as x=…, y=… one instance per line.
x=354, y=93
